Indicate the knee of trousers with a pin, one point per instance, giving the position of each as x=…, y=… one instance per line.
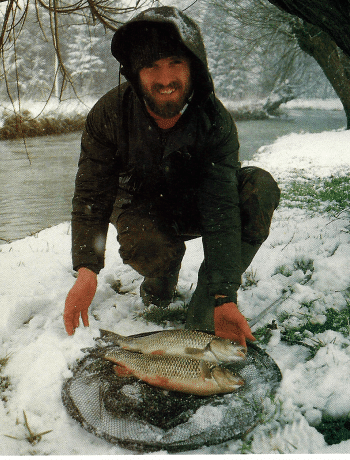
x=151, y=252
x=259, y=196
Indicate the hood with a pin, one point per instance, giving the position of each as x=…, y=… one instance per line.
x=180, y=26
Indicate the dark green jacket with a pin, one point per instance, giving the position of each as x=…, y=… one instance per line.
x=189, y=171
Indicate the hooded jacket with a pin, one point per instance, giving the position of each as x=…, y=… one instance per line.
x=188, y=171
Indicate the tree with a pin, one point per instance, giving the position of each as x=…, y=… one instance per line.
x=334, y=63
x=52, y=18
x=275, y=29
x=331, y=16
x=82, y=63
x=260, y=51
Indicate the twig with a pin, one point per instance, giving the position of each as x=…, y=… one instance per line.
x=33, y=438
x=288, y=242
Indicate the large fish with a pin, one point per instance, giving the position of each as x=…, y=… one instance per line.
x=175, y=373
x=179, y=342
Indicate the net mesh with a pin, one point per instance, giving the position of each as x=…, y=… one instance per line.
x=134, y=415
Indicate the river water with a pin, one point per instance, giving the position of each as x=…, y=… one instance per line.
x=37, y=194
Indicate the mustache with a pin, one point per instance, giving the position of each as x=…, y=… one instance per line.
x=173, y=85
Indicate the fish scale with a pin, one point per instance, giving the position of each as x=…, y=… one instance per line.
x=180, y=342
x=187, y=375
x=170, y=366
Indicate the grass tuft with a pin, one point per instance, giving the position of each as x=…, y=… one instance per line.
x=162, y=316
x=331, y=194
x=334, y=430
x=25, y=125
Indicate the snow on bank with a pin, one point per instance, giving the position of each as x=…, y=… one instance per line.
x=53, y=107
x=37, y=274
x=320, y=104
x=316, y=104
x=308, y=154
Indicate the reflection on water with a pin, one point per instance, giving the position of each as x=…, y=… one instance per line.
x=37, y=195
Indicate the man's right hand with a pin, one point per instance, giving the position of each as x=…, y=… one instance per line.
x=79, y=299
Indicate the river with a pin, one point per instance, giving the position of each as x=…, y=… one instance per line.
x=37, y=195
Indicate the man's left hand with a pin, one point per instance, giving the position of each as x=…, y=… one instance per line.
x=230, y=324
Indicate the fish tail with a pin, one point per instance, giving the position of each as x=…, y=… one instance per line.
x=110, y=336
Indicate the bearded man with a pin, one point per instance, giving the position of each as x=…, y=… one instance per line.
x=159, y=159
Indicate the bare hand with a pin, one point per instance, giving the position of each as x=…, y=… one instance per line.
x=79, y=299
x=231, y=324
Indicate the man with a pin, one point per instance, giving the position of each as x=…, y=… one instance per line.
x=163, y=151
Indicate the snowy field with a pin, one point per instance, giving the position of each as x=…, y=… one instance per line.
x=37, y=355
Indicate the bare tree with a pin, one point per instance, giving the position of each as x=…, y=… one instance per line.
x=334, y=63
x=52, y=17
x=259, y=42
x=331, y=16
x=273, y=29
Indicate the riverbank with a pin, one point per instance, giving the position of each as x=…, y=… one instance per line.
x=34, y=119
x=302, y=268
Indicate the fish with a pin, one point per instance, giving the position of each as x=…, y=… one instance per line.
x=181, y=342
x=174, y=373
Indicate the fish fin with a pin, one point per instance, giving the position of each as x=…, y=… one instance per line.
x=206, y=369
x=158, y=352
x=122, y=371
x=193, y=351
x=110, y=336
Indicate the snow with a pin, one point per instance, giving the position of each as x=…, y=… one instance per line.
x=38, y=355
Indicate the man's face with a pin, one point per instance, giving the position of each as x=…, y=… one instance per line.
x=166, y=85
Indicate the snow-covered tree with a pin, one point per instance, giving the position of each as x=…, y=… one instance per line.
x=83, y=64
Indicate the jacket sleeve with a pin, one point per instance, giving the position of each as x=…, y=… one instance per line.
x=219, y=208
x=96, y=187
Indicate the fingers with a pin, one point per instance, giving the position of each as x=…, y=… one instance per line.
x=247, y=332
x=68, y=321
x=241, y=340
x=85, y=318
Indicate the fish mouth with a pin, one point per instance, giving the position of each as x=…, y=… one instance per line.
x=228, y=352
x=226, y=380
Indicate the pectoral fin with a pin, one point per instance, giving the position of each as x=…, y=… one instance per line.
x=195, y=352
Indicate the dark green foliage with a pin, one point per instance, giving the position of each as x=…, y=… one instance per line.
x=24, y=125
x=336, y=321
x=161, y=316
x=334, y=430
x=5, y=384
x=283, y=270
x=249, y=279
x=304, y=265
x=263, y=334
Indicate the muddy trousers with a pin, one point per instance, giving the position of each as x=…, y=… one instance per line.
x=150, y=244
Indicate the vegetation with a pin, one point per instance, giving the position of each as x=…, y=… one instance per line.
x=62, y=48
x=334, y=430
x=163, y=316
x=24, y=125
x=330, y=194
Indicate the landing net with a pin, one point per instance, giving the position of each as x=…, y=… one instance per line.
x=136, y=416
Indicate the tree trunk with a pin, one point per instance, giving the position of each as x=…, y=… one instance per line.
x=332, y=16
x=321, y=47
x=281, y=94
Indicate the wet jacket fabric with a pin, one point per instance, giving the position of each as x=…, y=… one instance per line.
x=189, y=171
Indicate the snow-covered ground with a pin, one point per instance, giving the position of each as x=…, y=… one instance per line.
x=36, y=275
x=316, y=104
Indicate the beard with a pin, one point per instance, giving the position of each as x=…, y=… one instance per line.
x=171, y=108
